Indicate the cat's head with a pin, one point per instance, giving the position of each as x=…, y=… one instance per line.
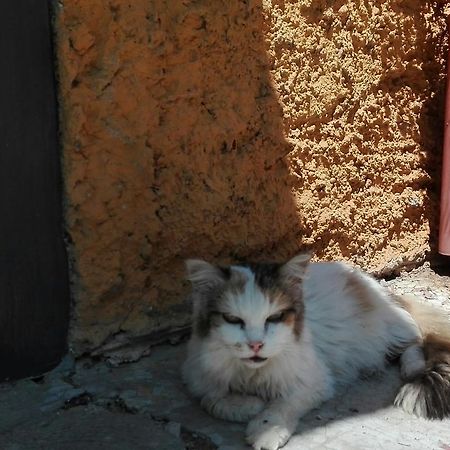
x=254, y=311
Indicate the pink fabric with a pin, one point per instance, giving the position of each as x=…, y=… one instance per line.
x=444, y=228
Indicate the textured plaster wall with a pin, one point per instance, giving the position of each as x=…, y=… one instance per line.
x=240, y=130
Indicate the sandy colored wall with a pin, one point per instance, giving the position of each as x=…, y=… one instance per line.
x=240, y=130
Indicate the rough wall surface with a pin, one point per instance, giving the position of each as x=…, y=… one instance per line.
x=361, y=84
x=240, y=130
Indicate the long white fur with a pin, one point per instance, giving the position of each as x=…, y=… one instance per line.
x=410, y=399
x=338, y=340
x=349, y=337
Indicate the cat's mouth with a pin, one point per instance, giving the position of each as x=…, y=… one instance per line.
x=255, y=359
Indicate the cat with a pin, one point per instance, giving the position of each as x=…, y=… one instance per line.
x=272, y=341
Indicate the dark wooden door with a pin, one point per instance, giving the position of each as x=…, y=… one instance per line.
x=34, y=296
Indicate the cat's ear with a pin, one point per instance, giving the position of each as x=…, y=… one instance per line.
x=203, y=274
x=295, y=268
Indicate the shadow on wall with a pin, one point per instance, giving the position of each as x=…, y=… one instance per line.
x=220, y=175
x=174, y=148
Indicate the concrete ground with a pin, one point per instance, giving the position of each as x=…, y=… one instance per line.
x=90, y=404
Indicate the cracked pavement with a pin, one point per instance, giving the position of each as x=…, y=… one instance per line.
x=89, y=404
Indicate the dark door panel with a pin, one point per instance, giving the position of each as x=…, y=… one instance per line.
x=34, y=295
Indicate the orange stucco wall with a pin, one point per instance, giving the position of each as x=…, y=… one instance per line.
x=241, y=130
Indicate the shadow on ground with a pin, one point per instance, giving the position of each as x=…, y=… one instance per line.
x=144, y=406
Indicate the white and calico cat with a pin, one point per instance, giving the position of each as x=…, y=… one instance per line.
x=272, y=341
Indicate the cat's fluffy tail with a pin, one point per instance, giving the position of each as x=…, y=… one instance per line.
x=427, y=365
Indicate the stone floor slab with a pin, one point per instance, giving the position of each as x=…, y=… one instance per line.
x=144, y=405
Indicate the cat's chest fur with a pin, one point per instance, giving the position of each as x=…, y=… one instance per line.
x=298, y=366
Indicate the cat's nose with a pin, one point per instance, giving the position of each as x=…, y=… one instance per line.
x=256, y=346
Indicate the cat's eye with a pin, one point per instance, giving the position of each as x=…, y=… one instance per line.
x=277, y=317
x=232, y=319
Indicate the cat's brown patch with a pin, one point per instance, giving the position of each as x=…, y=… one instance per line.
x=293, y=306
x=266, y=274
x=400, y=301
x=281, y=298
x=294, y=320
x=431, y=321
x=204, y=319
x=431, y=390
x=436, y=349
x=433, y=386
x=357, y=288
x=211, y=298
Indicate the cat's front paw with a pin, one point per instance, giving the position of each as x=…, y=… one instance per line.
x=236, y=408
x=267, y=432
x=252, y=406
x=242, y=409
